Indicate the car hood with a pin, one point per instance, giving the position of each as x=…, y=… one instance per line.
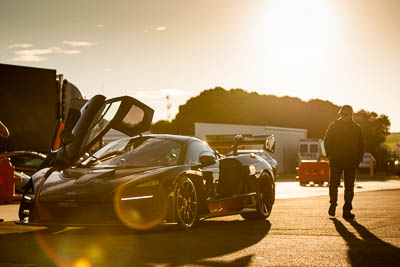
x=99, y=184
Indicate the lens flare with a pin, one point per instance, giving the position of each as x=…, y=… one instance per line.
x=140, y=213
x=135, y=216
x=65, y=252
x=48, y=250
x=95, y=253
x=82, y=262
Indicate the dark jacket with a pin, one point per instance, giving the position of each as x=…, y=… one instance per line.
x=344, y=144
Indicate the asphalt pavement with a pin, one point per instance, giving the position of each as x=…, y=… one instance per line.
x=298, y=233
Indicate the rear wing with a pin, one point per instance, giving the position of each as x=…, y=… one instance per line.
x=267, y=141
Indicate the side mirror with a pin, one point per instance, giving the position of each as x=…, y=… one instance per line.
x=206, y=159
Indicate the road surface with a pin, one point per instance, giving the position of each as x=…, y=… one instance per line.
x=298, y=233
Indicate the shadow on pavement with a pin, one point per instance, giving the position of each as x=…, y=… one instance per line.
x=368, y=250
x=169, y=246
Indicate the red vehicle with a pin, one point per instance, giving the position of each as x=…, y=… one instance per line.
x=313, y=171
x=313, y=166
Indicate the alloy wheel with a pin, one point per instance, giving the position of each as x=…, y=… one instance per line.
x=265, y=196
x=186, y=203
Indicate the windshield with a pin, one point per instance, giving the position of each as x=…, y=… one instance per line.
x=303, y=148
x=367, y=156
x=143, y=151
x=313, y=148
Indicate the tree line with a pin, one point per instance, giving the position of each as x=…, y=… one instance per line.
x=237, y=106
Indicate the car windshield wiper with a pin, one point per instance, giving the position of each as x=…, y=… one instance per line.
x=93, y=159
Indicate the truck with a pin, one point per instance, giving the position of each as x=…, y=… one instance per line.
x=311, y=149
x=312, y=163
x=34, y=103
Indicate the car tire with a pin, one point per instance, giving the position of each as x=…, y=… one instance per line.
x=265, y=199
x=26, y=204
x=186, y=203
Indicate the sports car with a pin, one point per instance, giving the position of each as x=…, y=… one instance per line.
x=143, y=180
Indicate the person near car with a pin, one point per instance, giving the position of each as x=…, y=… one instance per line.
x=344, y=144
x=4, y=133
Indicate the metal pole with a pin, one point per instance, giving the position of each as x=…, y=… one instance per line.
x=60, y=95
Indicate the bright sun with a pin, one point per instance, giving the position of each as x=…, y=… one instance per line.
x=296, y=37
x=297, y=31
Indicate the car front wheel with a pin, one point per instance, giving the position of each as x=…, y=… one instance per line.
x=186, y=207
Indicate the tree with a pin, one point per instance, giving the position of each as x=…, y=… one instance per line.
x=162, y=126
x=375, y=128
x=237, y=106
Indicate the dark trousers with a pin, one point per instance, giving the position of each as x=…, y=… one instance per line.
x=334, y=182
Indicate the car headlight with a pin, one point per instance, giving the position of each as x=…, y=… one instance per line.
x=142, y=190
x=137, y=197
x=145, y=190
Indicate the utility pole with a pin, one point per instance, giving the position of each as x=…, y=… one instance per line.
x=167, y=97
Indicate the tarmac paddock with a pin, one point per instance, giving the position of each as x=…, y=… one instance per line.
x=299, y=232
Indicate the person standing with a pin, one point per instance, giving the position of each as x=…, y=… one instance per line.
x=344, y=144
x=4, y=133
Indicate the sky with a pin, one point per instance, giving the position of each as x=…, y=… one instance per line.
x=346, y=52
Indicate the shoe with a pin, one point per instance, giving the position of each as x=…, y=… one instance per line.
x=348, y=215
x=332, y=210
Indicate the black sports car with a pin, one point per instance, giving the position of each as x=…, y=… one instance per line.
x=143, y=180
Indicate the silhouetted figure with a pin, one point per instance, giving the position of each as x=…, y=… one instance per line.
x=368, y=250
x=4, y=134
x=344, y=145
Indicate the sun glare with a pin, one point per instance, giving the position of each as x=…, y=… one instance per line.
x=297, y=32
x=295, y=41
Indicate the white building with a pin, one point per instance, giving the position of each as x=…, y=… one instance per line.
x=286, y=139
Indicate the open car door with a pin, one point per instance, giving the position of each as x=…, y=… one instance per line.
x=84, y=128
